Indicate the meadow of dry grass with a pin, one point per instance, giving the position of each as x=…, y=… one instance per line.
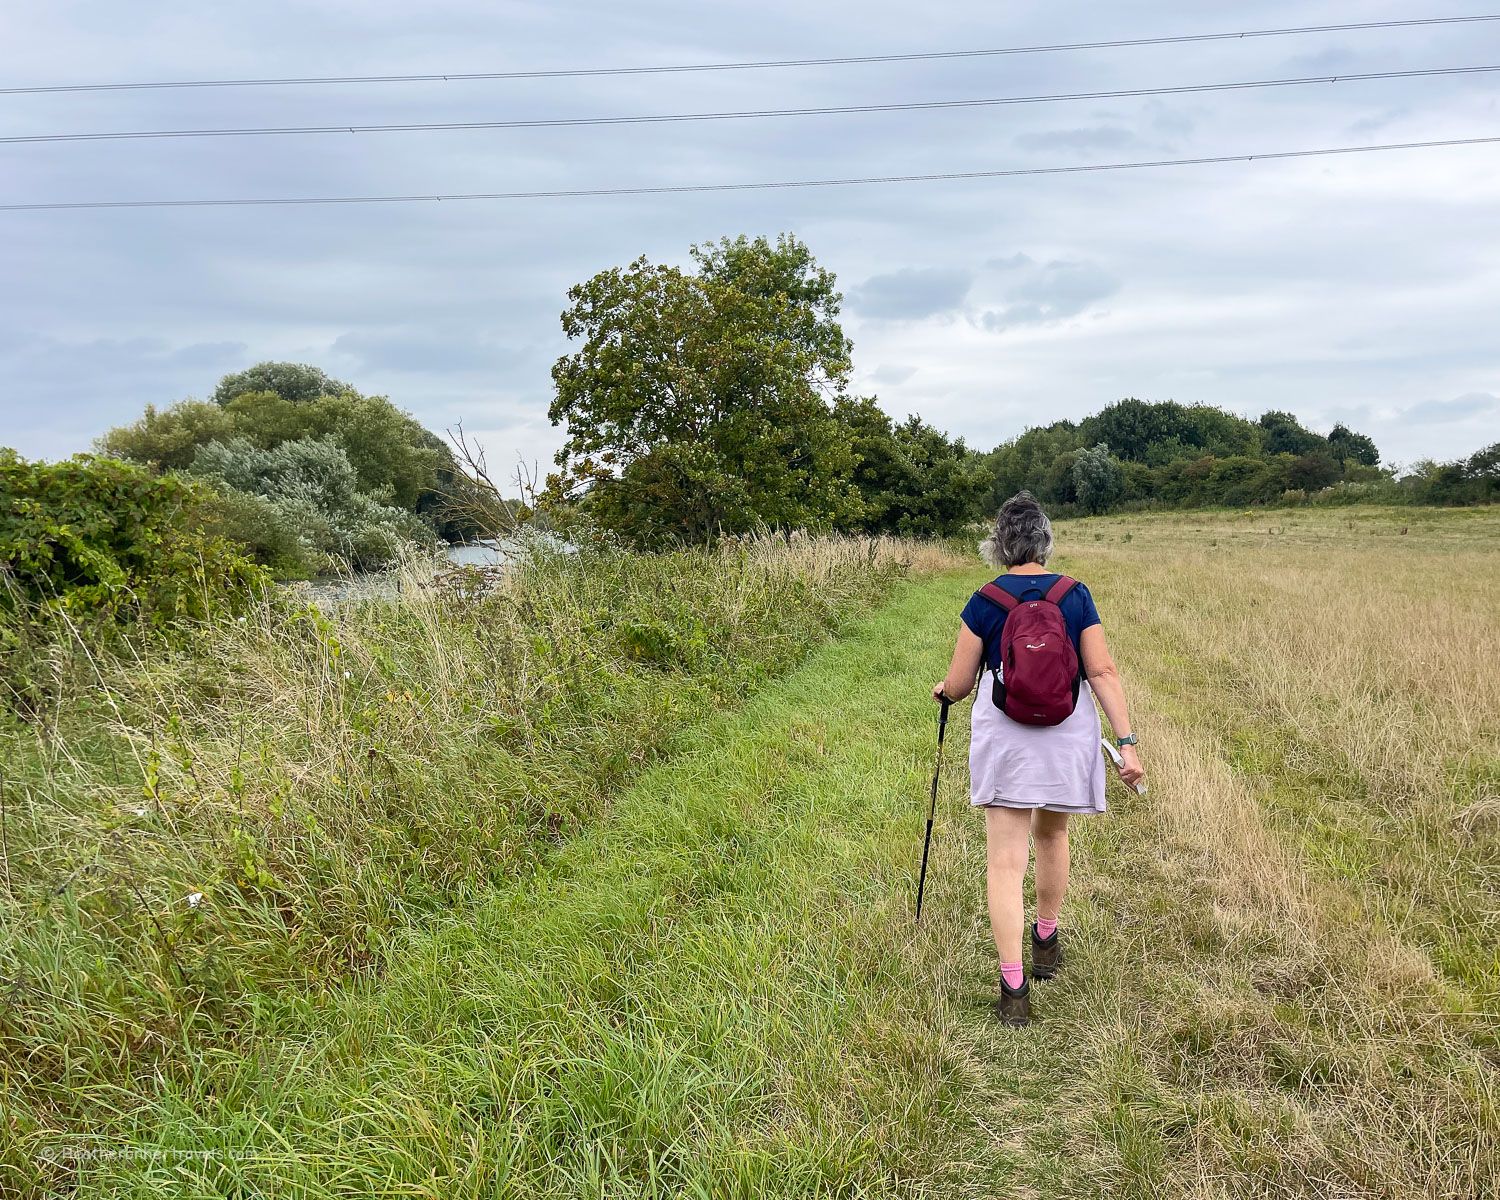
x=1286, y=979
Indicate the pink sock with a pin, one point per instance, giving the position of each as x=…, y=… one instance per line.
x=1013, y=975
x=1045, y=928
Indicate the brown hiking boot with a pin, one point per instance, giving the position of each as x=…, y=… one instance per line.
x=1046, y=954
x=1014, y=1005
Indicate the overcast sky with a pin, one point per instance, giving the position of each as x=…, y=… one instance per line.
x=1362, y=289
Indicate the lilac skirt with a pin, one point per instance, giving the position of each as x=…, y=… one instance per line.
x=1059, y=768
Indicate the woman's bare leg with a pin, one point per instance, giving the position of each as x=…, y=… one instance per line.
x=1005, y=831
x=1049, y=830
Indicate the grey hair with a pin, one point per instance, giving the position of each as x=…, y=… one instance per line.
x=1022, y=534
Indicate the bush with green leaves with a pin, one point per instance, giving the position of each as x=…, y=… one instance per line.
x=1475, y=480
x=315, y=490
x=90, y=546
x=395, y=459
x=912, y=479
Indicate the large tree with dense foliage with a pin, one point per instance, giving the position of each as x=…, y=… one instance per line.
x=700, y=402
x=395, y=463
x=1097, y=480
x=1346, y=445
x=394, y=457
x=912, y=479
x=1284, y=434
x=297, y=383
x=1139, y=431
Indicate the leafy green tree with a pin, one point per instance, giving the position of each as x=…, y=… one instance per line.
x=1346, y=445
x=297, y=383
x=1097, y=481
x=1484, y=465
x=1059, y=485
x=1284, y=434
x=1024, y=463
x=395, y=459
x=786, y=270
x=911, y=478
x=316, y=490
x=168, y=438
x=1137, y=430
x=699, y=403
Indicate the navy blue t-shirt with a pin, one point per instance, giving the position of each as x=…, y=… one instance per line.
x=985, y=618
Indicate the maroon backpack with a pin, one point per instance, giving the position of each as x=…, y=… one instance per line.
x=1039, y=672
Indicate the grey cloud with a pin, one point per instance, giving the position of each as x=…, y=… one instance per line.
x=1248, y=280
x=1376, y=122
x=1051, y=293
x=1460, y=408
x=212, y=355
x=1171, y=122
x=1099, y=137
x=892, y=373
x=911, y=293
x=408, y=351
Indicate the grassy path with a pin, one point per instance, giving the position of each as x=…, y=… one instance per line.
x=720, y=993
x=717, y=993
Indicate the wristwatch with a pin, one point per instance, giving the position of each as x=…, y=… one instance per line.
x=1128, y=740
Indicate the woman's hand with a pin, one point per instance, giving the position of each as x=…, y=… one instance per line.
x=937, y=691
x=1131, y=772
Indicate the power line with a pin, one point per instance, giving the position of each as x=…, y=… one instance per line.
x=672, y=189
x=665, y=118
x=849, y=60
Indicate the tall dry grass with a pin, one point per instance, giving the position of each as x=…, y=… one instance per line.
x=1285, y=967
x=197, y=839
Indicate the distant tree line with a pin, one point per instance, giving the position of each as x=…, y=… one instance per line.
x=712, y=400
x=1138, y=454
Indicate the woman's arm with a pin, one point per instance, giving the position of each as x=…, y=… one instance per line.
x=1104, y=678
x=964, y=667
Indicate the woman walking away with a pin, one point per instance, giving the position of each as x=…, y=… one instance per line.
x=1034, y=639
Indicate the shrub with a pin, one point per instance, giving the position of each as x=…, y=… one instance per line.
x=265, y=530
x=93, y=544
x=315, y=489
x=97, y=536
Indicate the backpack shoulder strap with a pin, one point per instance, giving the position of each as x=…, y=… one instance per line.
x=1061, y=588
x=996, y=594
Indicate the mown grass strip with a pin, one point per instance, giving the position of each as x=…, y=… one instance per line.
x=720, y=993
x=198, y=837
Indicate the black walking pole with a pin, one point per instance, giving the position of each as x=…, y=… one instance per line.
x=932, y=807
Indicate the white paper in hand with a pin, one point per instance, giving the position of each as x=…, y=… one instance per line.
x=1119, y=761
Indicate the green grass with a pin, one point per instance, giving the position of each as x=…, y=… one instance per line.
x=325, y=783
x=719, y=992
